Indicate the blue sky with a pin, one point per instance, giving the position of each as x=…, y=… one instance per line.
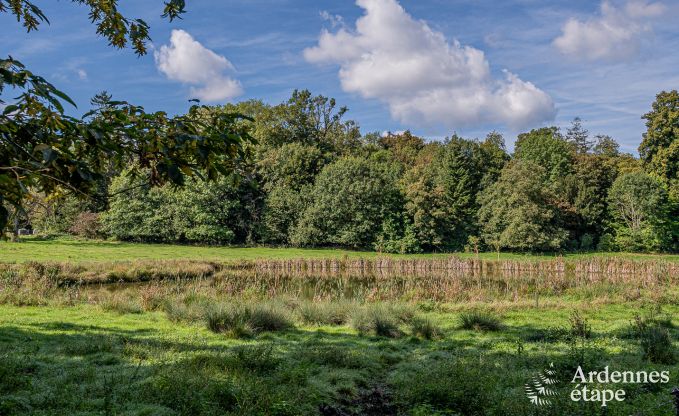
x=432, y=66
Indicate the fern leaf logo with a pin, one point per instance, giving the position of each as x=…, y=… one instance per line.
x=540, y=389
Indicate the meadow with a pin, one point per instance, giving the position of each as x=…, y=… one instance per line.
x=151, y=332
x=77, y=250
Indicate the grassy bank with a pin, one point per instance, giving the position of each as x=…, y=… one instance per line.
x=88, y=360
x=72, y=250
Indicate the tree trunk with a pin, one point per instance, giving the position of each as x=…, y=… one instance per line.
x=15, y=228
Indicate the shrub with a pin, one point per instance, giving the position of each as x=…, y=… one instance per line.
x=655, y=340
x=480, y=321
x=580, y=327
x=586, y=242
x=87, y=225
x=425, y=328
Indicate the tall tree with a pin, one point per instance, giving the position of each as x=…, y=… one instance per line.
x=516, y=212
x=659, y=149
x=547, y=148
x=350, y=201
x=578, y=136
x=641, y=213
x=441, y=189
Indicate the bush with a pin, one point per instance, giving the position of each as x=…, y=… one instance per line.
x=87, y=225
x=580, y=327
x=656, y=342
x=480, y=321
x=396, y=238
x=586, y=242
x=607, y=243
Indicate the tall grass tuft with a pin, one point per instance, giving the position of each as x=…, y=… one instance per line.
x=380, y=320
x=240, y=321
x=480, y=321
x=122, y=305
x=425, y=328
x=325, y=313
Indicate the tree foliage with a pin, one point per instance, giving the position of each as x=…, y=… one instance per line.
x=516, y=211
x=349, y=202
x=45, y=151
x=640, y=209
x=546, y=147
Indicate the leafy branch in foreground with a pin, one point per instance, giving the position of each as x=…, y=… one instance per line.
x=110, y=23
x=42, y=149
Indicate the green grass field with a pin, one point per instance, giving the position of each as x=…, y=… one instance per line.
x=197, y=337
x=87, y=361
x=86, y=250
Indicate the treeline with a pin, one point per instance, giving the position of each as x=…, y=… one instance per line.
x=312, y=179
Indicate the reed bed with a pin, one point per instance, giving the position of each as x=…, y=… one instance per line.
x=451, y=280
x=611, y=266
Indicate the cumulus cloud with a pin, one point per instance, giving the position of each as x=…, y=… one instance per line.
x=82, y=74
x=424, y=78
x=617, y=34
x=188, y=61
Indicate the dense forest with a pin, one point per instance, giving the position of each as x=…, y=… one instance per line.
x=309, y=177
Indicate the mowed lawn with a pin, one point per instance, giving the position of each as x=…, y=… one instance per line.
x=72, y=250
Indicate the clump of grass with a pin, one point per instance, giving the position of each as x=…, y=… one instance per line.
x=242, y=321
x=655, y=340
x=378, y=319
x=580, y=327
x=269, y=317
x=324, y=313
x=228, y=318
x=480, y=321
x=425, y=328
x=122, y=305
x=182, y=312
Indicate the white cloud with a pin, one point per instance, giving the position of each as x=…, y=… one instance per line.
x=425, y=79
x=187, y=61
x=617, y=34
x=82, y=74
x=334, y=19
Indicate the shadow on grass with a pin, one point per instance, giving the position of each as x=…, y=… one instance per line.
x=66, y=368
